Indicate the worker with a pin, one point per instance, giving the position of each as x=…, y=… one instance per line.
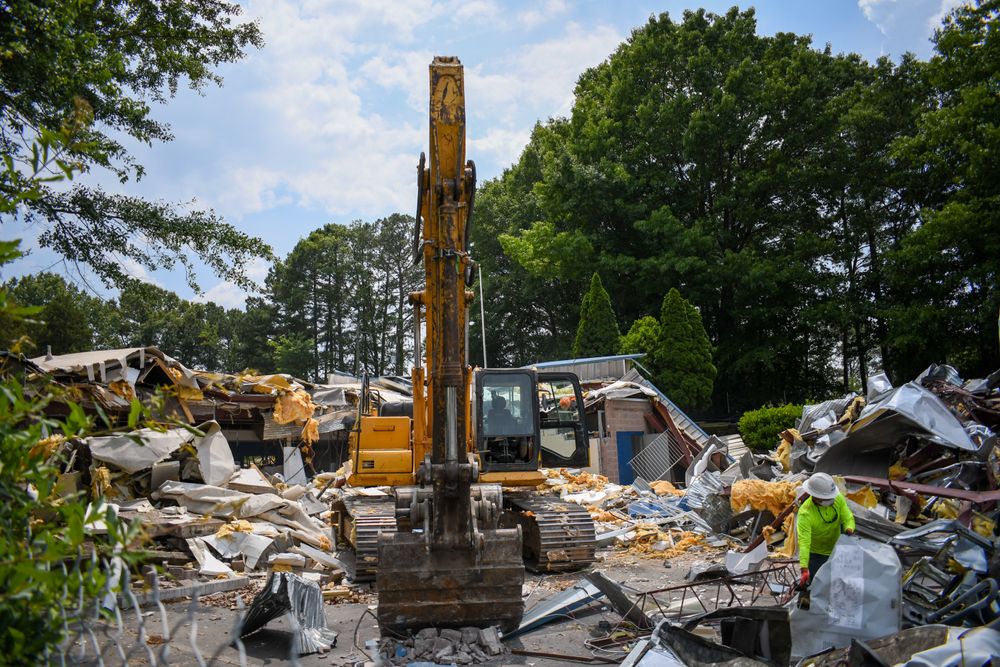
x=822, y=518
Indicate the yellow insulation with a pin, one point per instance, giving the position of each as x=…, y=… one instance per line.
x=238, y=526
x=100, y=482
x=760, y=495
x=648, y=535
x=663, y=488
x=123, y=389
x=864, y=496
x=293, y=406
x=44, y=448
x=784, y=455
x=897, y=470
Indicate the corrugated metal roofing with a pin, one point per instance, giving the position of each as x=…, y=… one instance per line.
x=587, y=360
x=592, y=369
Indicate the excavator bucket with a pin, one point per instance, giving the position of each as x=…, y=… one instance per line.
x=419, y=587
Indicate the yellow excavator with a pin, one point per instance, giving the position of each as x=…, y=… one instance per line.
x=449, y=546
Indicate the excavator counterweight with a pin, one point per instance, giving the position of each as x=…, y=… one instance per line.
x=454, y=566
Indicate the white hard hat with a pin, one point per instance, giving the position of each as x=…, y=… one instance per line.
x=821, y=486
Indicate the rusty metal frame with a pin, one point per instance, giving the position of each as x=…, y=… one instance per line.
x=784, y=574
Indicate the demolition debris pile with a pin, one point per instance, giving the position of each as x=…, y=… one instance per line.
x=919, y=466
x=175, y=477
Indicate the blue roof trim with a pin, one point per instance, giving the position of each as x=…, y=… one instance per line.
x=588, y=360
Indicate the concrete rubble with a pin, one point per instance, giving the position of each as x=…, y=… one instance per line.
x=432, y=646
x=919, y=465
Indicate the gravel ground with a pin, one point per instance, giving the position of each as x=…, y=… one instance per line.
x=354, y=619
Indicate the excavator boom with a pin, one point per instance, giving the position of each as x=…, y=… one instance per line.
x=455, y=566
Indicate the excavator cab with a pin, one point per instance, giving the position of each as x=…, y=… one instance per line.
x=564, y=441
x=523, y=417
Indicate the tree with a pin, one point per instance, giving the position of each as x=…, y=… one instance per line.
x=252, y=331
x=65, y=321
x=682, y=360
x=345, y=290
x=532, y=296
x=293, y=355
x=945, y=274
x=92, y=70
x=642, y=337
x=597, y=334
x=685, y=163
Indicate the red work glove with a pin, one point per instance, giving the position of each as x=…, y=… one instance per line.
x=804, y=579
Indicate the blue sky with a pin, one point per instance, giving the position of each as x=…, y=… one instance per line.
x=325, y=123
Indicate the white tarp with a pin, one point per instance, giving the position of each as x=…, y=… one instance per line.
x=144, y=448
x=738, y=562
x=855, y=595
x=229, y=504
x=215, y=458
x=138, y=450
x=977, y=646
x=215, y=501
x=250, y=545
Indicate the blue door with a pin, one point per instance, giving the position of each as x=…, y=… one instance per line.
x=626, y=441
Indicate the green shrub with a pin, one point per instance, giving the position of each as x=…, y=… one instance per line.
x=760, y=428
x=46, y=568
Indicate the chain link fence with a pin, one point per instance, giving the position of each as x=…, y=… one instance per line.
x=115, y=629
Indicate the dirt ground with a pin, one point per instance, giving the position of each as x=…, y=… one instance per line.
x=355, y=625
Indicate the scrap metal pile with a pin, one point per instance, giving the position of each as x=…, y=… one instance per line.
x=919, y=465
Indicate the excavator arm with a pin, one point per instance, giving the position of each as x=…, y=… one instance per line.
x=455, y=567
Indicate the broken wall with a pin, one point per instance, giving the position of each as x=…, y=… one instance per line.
x=621, y=415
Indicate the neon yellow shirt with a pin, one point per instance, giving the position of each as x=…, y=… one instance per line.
x=819, y=527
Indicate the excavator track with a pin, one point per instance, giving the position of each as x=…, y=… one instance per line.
x=362, y=519
x=558, y=536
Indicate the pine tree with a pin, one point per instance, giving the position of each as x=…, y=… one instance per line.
x=682, y=360
x=598, y=333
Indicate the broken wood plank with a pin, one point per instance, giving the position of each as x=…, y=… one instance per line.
x=200, y=588
x=155, y=524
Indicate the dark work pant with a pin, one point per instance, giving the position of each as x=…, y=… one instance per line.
x=816, y=561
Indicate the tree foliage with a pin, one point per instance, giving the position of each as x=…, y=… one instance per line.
x=43, y=528
x=682, y=357
x=825, y=215
x=642, y=337
x=94, y=70
x=946, y=273
x=597, y=334
x=344, y=290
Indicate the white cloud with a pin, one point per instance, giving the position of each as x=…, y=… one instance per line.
x=899, y=22
x=223, y=294
x=935, y=21
x=478, y=10
x=541, y=13
x=504, y=144
x=878, y=12
x=539, y=78
x=257, y=270
x=328, y=139
x=227, y=294
x=406, y=71
x=138, y=271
